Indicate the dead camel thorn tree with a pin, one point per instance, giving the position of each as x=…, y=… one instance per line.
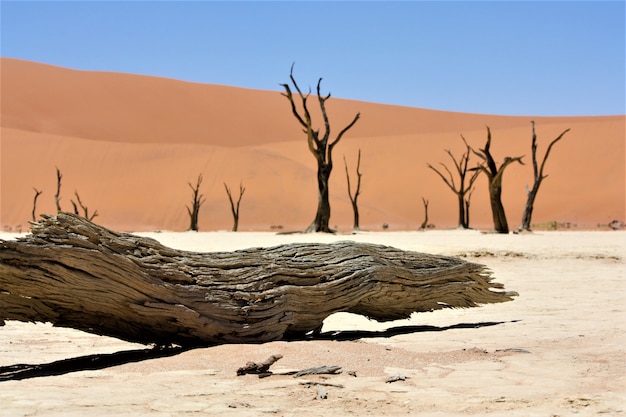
x=494, y=175
x=424, y=224
x=57, y=196
x=196, y=202
x=234, y=208
x=85, y=209
x=538, y=177
x=462, y=191
x=37, y=194
x=353, y=198
x=320, y=145
x=57, y=200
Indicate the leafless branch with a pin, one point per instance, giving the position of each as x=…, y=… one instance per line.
x=85, y=209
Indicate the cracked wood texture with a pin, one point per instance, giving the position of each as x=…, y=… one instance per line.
x=74, y=273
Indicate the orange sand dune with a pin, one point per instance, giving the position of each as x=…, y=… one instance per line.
x=129, y=145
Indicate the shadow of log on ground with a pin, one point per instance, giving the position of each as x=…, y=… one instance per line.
x=351, y=335
x=106, y=360
x=86, y=363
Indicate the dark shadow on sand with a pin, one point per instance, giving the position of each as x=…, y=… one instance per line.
x=85, y=363
x=107, y=360
x=341, y=335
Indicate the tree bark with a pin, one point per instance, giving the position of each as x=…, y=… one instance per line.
x=462, y=212
x=500, y=223
x=73, y=273
x=467, y=209
x=321, y=223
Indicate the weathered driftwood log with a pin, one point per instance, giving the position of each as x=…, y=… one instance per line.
x=73, y=273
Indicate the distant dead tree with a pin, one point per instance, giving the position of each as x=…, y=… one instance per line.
x=82, y=206
x=538, y=177
x=37, y=194
x=57, y=197
x=235, y=207
x=424, y=224
x=320, y=146
x=461, y=190
x=196, y=202
x=353, y=198
x=57, y=200
x=494, y=175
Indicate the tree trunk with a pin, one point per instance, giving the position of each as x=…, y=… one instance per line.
x=355, y=210
x=37, y=194
x=322, y=216
x=467, y=212
x=462, y=214
x=497, y=208
x=424, y=224
x=528, y=208
x=73, y=273
x=57, y=196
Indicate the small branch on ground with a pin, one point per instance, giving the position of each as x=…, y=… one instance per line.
x=395, y=378
x=318, y=370
x=259, y=368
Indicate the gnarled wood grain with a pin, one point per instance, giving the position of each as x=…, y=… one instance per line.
x=74, y=273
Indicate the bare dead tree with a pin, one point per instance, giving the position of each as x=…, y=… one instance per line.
x=494, y=175
x=461, y=166
x=37, y=194
x=82, y=206
x=353, y=198
x=196, y=202
x=424, y=224
x=234, y=208
x=538, y=177
x=320, y=146
x=57, y=197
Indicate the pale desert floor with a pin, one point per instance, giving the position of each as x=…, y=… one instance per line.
x=559, y=349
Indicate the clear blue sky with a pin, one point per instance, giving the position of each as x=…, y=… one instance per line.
x=498, y=57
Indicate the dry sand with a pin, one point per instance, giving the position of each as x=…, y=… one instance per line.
x=129, y=145
x=557, y=350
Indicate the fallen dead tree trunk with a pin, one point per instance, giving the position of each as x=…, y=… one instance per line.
x=74, y=273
